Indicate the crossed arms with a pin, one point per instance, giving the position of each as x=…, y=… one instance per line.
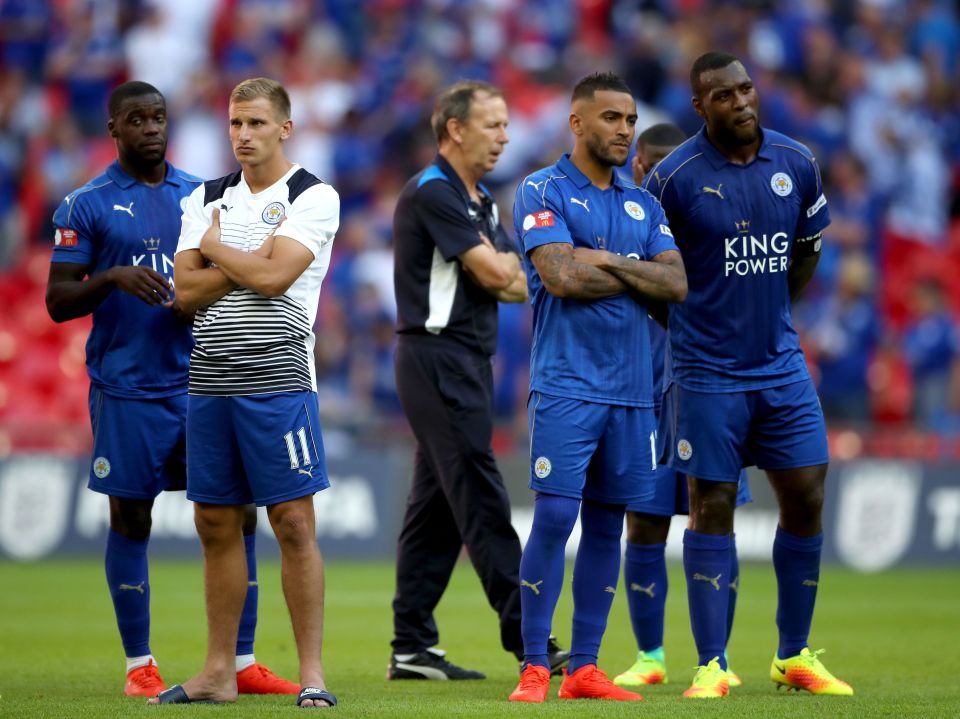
x=499, y=273
x=270, y=270
x=587, y=274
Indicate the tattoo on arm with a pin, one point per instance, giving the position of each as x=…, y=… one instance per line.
x=563, y=276
x=663, y=278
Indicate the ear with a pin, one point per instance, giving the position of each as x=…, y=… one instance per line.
x=698, y=107
x=576, y=124
x=111, y=127
x=454, y=130
x=286, y=129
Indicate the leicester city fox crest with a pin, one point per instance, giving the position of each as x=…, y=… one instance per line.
x=273, y=213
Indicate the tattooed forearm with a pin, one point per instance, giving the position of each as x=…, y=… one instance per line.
x=564, y=276
x=662, y=278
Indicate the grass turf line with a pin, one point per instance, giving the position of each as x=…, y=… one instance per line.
x=891, y=635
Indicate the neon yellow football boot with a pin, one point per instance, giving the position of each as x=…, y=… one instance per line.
x=804, y=671
x=646, y=670
x=710, y=682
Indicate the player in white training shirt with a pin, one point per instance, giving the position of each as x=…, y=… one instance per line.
x=254, y=248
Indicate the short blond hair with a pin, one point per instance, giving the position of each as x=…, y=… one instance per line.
x=255, y=87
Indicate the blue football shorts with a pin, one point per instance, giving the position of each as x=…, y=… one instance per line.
x=672, y=496
x=139, y=445
x=261, y=448
x=588, y=450
x=713, y=436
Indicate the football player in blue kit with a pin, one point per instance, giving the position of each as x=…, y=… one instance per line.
x=648, y=523
x=113, y=258
x=747, y=208
x=596, y=250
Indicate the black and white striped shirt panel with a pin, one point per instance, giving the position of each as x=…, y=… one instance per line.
x=247, y=343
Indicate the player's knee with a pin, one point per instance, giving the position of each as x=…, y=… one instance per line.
x=602, y=520
x=293, y=528
x=554, y=518
x=647, y=528
x=131, y=518
x=712, y=512
x=214, y=524
x=804, y=510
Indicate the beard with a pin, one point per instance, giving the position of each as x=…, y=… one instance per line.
x=603, y=153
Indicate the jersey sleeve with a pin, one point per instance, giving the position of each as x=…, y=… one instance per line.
x=194, y=222
x=814, y=213
x=444, y=215
x=75, y=234
x=538, y=215
x=660, y=238
x=314, y=218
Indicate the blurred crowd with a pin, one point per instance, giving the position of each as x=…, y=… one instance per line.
x=872, y=86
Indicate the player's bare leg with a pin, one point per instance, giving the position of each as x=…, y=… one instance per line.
x=225, y=582
x=711, y=506
x=302, y=574
x=800, y=496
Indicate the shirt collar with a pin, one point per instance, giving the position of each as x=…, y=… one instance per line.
x=123, y=180
x=717, y=159
x=566, y=166
x=447, y=169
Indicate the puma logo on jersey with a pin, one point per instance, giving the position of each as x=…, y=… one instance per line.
x=575, y=201
x=308, y=472
x=133, y=587
x=634, y=587
x=535, y=587
x=656, y=176
x=535, y=185
x=712, y=581
x=715, y=191
x=128, y=209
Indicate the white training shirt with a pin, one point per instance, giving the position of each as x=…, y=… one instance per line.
x=247, y=343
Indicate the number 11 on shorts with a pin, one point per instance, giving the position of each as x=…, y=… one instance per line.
x=292, y=450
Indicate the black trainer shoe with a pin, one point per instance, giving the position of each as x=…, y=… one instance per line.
x=428, y=664
x=557, y=656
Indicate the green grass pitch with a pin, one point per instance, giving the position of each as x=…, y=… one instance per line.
x=894, y=636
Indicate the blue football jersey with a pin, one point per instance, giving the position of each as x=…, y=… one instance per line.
x=736, y=226
x=135, y=350
x=594, y=350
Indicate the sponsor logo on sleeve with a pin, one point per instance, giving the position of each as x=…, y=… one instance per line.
x=665, y=230
x=817, y=206
x=65, y=237
x=543, y=218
